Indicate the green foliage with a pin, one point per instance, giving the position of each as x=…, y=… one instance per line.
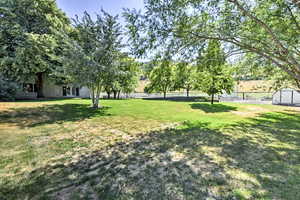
x=29, y=39
x=268, y=29
x=129, y=74
x=93, y=59
x=37, y=52
x=186, y=77
x=252, y=68
x=124, y=78
x=215, y=77
x=282, y=80
x=8, y=89
x=162, y=77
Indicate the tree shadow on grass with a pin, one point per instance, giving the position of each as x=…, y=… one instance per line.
x=258, y=159
x=215, y=108
x=50, y=114
x=144, y=168
x=179, y=99
x=269, y=150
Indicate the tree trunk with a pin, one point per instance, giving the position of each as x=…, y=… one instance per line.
x=165, y=95
x=212, y=98
x=108, y=95
x=115, y=94
x=119, y=94
x=92, y=89
x=187, y=92
x=39, y=85
x=96, y=100
x=96, y=104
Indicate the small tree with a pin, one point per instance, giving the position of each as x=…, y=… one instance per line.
x=162, y=78
x=185, y=77
x=215, y=77
x=124, y=78
x=94, y=58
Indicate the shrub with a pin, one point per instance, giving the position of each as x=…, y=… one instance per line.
x=8, y=89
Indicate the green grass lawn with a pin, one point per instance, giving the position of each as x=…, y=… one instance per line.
x=148, y=149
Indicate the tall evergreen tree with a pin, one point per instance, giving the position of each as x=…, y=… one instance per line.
x=215, y=77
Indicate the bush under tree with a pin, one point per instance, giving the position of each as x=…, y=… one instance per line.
x=8, y=89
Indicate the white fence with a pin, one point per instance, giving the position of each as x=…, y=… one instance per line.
x=255, y=97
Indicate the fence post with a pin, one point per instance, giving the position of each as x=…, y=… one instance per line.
x=280, y=96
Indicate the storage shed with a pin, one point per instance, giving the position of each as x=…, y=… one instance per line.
x=287, y=96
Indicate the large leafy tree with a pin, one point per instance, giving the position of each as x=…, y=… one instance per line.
x=268, y=29
x=93, y=59
x=215, y=77
x=29, y=39
x=162, y=77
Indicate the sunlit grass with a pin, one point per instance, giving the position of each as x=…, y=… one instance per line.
x=192, y=150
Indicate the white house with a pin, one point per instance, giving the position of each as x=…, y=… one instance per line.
x=52, y=90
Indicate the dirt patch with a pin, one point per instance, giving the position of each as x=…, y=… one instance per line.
x=251, y=111
x=244, y=114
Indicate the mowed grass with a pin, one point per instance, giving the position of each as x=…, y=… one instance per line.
x=148, y=149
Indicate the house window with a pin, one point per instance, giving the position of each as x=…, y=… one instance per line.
x=29, y=87
x=70, y=91
x=66, y=91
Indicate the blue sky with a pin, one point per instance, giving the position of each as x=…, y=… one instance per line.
x=114, y=7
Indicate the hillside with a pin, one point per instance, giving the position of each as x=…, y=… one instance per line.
x=243, y=86
x=255, y=86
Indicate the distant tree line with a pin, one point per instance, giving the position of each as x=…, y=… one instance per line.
x=210, y=74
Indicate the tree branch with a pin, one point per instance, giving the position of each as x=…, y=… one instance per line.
x=253, y=49
x=265, y=26
x=293, y=17
x=296, y=3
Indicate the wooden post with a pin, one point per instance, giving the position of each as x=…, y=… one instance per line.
x=292, y=99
